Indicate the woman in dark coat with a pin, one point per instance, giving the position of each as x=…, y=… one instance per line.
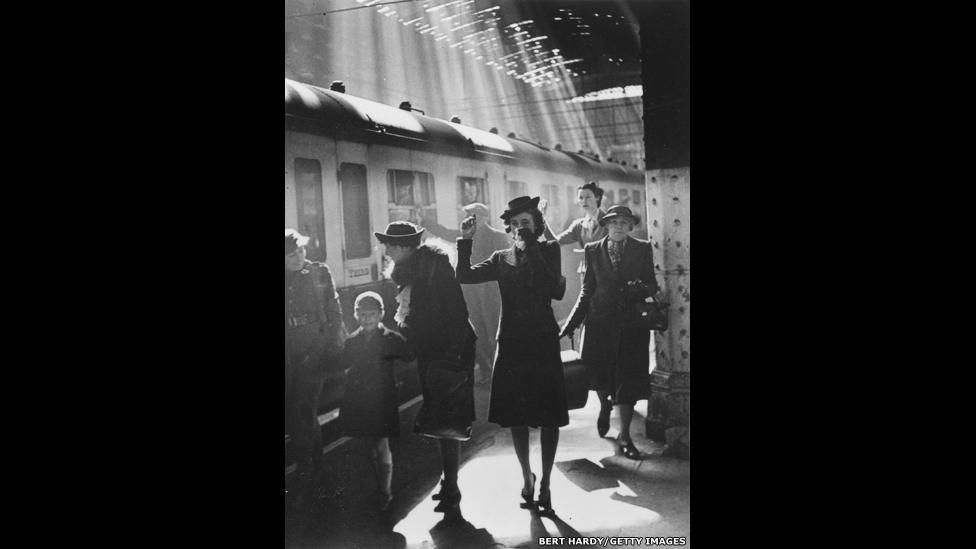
x=433, y=318
x=619, y=274
x=527, y=382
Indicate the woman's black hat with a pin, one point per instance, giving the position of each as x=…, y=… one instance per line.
x=398, y=231
x=519, y=205
x=618, y=211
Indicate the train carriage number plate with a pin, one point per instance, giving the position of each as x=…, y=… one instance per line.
x=356, y=273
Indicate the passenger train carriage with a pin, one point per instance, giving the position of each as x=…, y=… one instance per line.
x=353, y=165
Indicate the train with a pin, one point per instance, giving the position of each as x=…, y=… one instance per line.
x=352, y=165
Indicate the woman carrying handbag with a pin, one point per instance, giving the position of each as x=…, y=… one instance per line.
x=611, y=306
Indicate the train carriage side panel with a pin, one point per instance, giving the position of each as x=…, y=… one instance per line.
x=358, y=261
x=497, y=198
x=310, y=199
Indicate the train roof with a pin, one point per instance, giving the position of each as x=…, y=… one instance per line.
x=316, y=110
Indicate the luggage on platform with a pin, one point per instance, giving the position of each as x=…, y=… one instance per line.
x=574, y=376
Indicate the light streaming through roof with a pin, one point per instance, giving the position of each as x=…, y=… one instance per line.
x=610, y=93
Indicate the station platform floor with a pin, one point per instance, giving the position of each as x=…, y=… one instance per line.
x=596, y=492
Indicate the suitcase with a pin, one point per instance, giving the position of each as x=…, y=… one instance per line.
x=574, y=377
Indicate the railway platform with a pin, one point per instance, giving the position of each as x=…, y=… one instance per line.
x=596, y=492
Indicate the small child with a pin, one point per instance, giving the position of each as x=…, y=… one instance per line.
x=369, y=405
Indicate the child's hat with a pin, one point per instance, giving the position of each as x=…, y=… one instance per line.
x=369, y=300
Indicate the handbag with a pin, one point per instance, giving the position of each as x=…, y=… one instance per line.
x=446, y=414
x=574, y=378
x=653, y=315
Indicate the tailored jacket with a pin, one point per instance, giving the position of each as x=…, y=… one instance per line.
x=526, y=292
x=605, y=296
x=614, y=344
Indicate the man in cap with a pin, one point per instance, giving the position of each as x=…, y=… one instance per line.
x=314, y=335
x=433, y=318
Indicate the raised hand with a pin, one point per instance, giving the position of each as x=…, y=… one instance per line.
x=468, y=227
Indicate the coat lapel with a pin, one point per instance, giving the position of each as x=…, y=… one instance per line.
x=630, y=263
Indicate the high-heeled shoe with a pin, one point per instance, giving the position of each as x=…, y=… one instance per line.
x=450, y=499
x=437, y=496
x=603, y=420
x=629, y=450
x=545, y=500
x=528, y=503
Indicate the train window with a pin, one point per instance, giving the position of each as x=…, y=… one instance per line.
x=608, y=199
x=471, y=189
x=311, y=211
x=355, y=211
x=516, y=189
x=411, y=196
x=624, y=198
x=636, y=197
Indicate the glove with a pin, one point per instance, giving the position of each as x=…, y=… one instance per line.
x=527, y=236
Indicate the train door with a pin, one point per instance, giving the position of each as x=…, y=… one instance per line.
x=359, y=265
x=310, y=196
x=351, y=217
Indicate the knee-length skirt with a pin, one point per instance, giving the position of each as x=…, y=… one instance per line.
x=527, y=384
x=616, y=360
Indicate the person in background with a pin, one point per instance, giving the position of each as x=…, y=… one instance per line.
x=433, y=318
x=470, y=192
x=527, y=385
x=314, y=336
x=369, y=404
x=619, y=274
x=484, y=302
x=585, y=229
